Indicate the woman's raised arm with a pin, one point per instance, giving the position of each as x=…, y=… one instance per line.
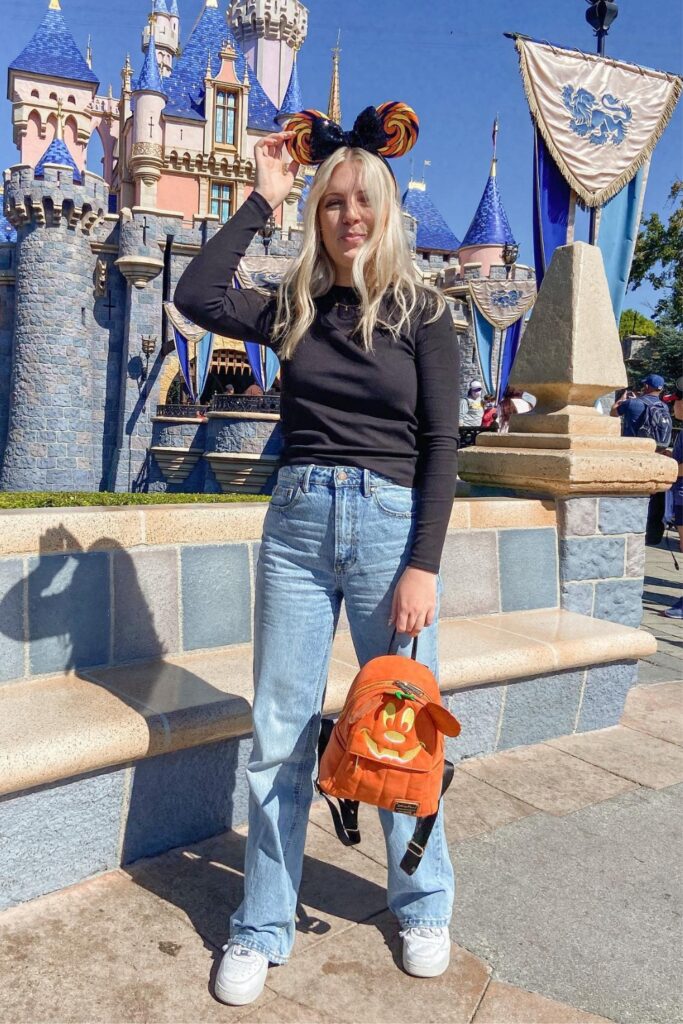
x=205, y=293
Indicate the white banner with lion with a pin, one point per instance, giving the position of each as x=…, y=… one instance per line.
x=599, y=118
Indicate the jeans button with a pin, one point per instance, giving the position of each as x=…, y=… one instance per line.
x=342, y=475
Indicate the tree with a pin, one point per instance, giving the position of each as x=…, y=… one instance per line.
x=658, y=259
x=633, y=322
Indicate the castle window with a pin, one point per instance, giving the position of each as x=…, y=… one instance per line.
x=224, y=125
x=221, y=201
x=54, y=96
x=34, y=92
x=72, y=99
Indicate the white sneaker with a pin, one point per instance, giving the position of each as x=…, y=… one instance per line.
x=241, y=975
x=426, y=951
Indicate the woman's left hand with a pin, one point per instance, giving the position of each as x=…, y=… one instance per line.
x=414, y=602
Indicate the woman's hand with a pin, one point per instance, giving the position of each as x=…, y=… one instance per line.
x=274, y=179
x=414, y=602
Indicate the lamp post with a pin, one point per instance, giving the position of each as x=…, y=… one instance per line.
x=510, y=253
x=149, y=344
x=266, y=233
x=600, y=15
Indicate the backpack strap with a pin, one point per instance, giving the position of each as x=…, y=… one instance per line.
x=344, y=819
x=423, y=828
x=413, y=652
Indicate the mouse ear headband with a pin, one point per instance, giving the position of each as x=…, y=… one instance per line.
x=388, y=130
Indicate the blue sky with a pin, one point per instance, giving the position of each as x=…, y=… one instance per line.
x=446, y=58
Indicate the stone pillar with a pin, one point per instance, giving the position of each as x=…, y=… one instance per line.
x=569, y=356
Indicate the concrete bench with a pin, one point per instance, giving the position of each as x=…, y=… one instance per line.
x=61, y=727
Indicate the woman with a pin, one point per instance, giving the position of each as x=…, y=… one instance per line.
x=369, y=369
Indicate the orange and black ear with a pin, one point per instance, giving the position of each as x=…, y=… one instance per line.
x=402, y=126
x=300, y=144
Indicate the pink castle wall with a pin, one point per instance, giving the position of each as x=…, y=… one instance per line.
x=484, y=254
x=178, y=192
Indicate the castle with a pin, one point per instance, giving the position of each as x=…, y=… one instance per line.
x=89, y=377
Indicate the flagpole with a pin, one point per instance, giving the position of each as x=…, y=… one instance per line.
x=600, y=15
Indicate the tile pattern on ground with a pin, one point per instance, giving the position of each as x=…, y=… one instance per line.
x=546, y=778
x=506, y=1004
x=626, y=752
x=106, y=950
x=657, y=710
x=359, y=976
x=204, y=882
x=583, y=908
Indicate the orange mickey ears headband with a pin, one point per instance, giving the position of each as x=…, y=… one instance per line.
x=388, y=130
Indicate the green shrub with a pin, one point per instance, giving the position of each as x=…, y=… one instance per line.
x=75, y=499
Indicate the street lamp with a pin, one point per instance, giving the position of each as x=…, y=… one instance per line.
x=266, y=233
x=149, y=344
x=600, y=15
x=510, y=253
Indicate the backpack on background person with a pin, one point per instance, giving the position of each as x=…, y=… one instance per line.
x=656, y=421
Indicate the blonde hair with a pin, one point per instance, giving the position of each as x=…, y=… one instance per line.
x=382, y=267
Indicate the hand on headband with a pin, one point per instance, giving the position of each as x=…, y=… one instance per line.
x=388, y=130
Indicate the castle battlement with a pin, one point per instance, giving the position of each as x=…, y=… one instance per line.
x=271, y=19
x=55, y=195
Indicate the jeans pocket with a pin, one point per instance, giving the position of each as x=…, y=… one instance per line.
x=285, y=496
x=395, y=500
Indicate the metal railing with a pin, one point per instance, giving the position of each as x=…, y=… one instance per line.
x=188, y=412
x=245, y=403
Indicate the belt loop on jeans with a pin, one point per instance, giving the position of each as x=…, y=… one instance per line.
x=305, y=481
x=365, y=484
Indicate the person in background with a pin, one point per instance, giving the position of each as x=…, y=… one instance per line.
x=646, y=415
x=513, y=401
x=472, y=407
x=489, y=420
x=676, y=609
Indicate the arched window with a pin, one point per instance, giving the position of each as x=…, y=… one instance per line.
x=72, y=99
x=35, y=93
x=54, y=96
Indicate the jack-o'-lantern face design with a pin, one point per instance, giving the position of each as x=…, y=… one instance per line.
x=393, y=736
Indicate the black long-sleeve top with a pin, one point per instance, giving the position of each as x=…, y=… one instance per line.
x=393, y=411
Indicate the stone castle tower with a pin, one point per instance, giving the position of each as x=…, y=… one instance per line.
x=87, y=358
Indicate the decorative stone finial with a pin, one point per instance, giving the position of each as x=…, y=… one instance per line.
x=569, y=356
x=54, y=5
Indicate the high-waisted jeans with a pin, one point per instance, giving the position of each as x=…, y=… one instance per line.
x=329, y=533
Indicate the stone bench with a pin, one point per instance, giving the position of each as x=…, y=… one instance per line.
x=494, y=669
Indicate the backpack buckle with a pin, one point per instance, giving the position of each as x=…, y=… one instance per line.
x=415, y=848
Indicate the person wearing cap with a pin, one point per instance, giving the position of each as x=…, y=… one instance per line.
x=632, y=408
x=472, y=407
x=634, y=411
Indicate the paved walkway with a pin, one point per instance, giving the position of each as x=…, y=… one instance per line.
x=568, y=907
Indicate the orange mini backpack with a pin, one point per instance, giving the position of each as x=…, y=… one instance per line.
x=387, y=749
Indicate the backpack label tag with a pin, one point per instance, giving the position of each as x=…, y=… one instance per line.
x=406, y=807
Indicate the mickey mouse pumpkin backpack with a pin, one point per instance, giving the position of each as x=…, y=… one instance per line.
x=387, y=749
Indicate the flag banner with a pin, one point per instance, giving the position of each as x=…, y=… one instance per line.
x=203, y=353
x=600, y=118
x=179, y=322
x=502, y=302
x=264, y=364
x=510, y=345
x=552, y=208
x=483, y=336
x=258, y=272
x=183, y=352
x=617, y=231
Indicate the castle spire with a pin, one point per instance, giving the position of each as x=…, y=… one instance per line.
x=334, y=103
x=293, y=100
x=54, y=6
x=88, y=51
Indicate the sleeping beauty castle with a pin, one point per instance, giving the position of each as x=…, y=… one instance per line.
x=103, y=385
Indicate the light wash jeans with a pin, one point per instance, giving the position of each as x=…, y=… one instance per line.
x=330, y=532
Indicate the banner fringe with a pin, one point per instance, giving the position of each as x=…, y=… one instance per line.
x=586, y=198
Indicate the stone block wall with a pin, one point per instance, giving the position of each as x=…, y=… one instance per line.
x=7, y=300
x=602, y=556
